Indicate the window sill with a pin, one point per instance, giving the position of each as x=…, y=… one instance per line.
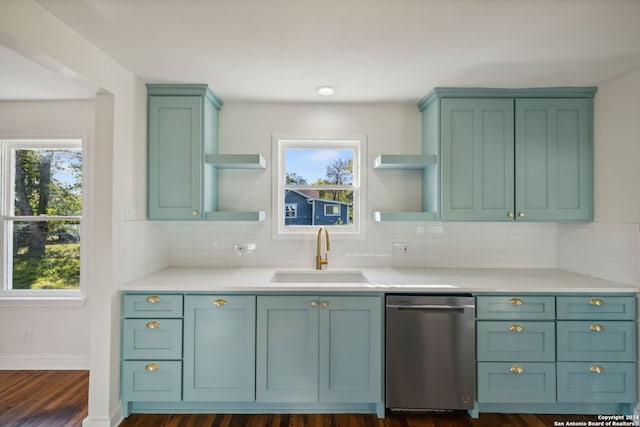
x=8, y=301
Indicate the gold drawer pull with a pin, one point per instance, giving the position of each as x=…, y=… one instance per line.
x=596, y=328
x=151, y=367
x=596, y=301
x=596, y=369
x=153, y=298
x=516, y=369
x=515, y=301
x=195, y=212
x=324, y=304
x=220, y=302
x=516, y=328
x=313, y=303
x=153, y=325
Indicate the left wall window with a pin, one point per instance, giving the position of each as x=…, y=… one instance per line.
x=42, y=194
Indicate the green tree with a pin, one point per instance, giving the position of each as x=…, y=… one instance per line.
x=339, y=172
x=293, y=178
x=47, y=182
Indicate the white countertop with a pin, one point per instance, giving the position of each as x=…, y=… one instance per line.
x=436, y=280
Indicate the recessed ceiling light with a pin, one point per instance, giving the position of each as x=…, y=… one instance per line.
x=326, y=90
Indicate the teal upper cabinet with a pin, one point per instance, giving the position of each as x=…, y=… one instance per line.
x=477, y=159
x=511, y=154
x=553, y=159
x=183, y=127
x=183, y=155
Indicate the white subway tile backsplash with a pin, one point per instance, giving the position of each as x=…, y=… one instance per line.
x=609, y=251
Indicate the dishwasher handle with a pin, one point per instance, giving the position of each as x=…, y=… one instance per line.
x=438, y=307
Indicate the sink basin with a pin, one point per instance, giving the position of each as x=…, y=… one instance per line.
x=318, y=276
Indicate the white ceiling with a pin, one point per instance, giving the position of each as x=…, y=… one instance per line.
x=370, y=50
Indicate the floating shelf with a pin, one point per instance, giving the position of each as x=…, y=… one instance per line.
x=234, y=216
x=236, y=161
x=404, y=161
x=403, y=216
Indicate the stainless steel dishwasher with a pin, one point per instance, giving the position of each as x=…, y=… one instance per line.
x=430, y=352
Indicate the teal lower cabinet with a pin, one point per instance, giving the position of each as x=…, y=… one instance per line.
x=241, y=353
x=516, y=383
x=324, y=350
x=219, y=348
x=287, y=349
x=152, y=339
x=151, y=380
x=579, y=358
x=596, y=382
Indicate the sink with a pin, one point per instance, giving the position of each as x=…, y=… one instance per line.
x=319, y=276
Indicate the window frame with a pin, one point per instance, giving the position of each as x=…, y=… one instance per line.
x=332, y=205
x=7, y=176
x=357, y=143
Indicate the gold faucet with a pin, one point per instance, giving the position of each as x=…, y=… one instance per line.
x=319, y=261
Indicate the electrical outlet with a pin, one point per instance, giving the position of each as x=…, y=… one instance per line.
x=400, y=249
x=240, y=249
x=27, y=335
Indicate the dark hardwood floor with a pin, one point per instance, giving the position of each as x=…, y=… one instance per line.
x=59, y=399
x=43, y=398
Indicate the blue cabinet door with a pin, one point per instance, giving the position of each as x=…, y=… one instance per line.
x=287, y=349
x=219, y=348
x=477, y=159
x=553, y=159
x=350, y=349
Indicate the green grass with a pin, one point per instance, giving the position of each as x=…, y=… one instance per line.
x=59, y=268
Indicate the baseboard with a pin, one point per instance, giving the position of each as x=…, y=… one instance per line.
x=114, y=420
x=44, y=363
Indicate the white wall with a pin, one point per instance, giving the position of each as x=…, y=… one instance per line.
x=617, y=149
x=115, y=181
x=610, y=247
x=59, y=332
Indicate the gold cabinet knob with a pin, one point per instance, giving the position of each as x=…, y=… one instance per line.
x=596, y=301
x=324, y=304
x=516, y=369
x=220, y=302
x=515, y=301
x=153, y=325
x=516, y=328
x=151, y=367
x=195, y=212
x=313, y=303
x=153, y=298
x=596, y=328
x=596, y=369
x=510, y=214
x=521, y=214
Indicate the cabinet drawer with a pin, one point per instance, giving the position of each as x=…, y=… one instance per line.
x=515, y=307
x=516, y=341
x=151, y=380
x=516, y=382
x=152, y=339
x=593, y=307
x=596, y=382
x=152, y=305
x=597, y=340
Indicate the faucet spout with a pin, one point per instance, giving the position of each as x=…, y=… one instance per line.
x=319, y=261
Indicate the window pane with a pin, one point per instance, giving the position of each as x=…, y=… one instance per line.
x=318, y=166
x=46, y=254
x=48, y=182
x=319, y=207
